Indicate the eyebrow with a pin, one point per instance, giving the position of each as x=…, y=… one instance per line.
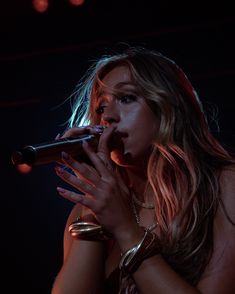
x=101, y=92
x=125, y=84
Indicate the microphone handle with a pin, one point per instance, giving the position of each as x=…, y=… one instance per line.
x=51, y=151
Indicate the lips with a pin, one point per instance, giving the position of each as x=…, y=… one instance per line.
x=116, y=142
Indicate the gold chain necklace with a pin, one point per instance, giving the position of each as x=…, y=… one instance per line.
x=142, y=204
x=137, y=217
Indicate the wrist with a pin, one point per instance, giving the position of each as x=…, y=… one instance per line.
x=148, y=246
x=129, y=237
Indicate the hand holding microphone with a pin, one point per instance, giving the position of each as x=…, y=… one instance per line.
x=51, y=151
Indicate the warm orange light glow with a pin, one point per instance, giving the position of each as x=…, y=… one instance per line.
x=77, y=2
x=24, y=168
x=40, y=5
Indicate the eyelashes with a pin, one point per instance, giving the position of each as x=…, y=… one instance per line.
x=127, y=98
x=124, y=99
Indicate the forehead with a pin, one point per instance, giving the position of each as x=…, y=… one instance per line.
x=119, y=75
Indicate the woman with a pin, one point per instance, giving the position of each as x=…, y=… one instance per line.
x=157, y=208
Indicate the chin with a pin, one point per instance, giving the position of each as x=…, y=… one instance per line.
x=117, y=157
x=121, y=159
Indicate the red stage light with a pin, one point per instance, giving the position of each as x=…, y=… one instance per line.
x=40, y=5
x=24, y=168
x=76, y=2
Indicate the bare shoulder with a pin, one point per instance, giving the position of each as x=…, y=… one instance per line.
x=75, y=212
x=227, y=177
x=68, y=239
x=227, y=187
x=220, y=272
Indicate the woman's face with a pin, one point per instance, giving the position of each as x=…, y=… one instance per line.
x=121, y=106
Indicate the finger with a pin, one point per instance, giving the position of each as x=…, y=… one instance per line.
x=121, y=182
x=75, y=197
x=57, y=136
x=89, y=167
x=59, y=162
x=103, y=148
x=82, y=170
x=97, y=129
x=75, y=181
x=77, y=131
x=98, y=163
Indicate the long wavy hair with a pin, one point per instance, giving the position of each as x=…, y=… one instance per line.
x=184, y=167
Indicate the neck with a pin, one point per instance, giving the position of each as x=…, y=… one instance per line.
x=137, y=181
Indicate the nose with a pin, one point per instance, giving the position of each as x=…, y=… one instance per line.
x=111, y=114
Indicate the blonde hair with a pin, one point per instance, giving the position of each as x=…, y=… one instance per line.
x=184, y=167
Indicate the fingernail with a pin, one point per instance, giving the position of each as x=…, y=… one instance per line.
x=57, y=136
x=85, y=144
x=60, y=190
x=98, y=130
x=65, y=155
x=59, y=170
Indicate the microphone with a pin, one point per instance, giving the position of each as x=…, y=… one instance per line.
x=51, y=151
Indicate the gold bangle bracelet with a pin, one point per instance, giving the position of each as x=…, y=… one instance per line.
x=88, y=231
x=147, y=247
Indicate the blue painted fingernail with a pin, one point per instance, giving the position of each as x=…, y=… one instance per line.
x=99, y=129
x=99, y=126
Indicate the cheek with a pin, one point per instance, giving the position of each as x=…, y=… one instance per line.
x=143, y=120
x=141, y=125
x=144, y=131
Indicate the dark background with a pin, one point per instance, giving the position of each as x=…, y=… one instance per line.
x=42, y=56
